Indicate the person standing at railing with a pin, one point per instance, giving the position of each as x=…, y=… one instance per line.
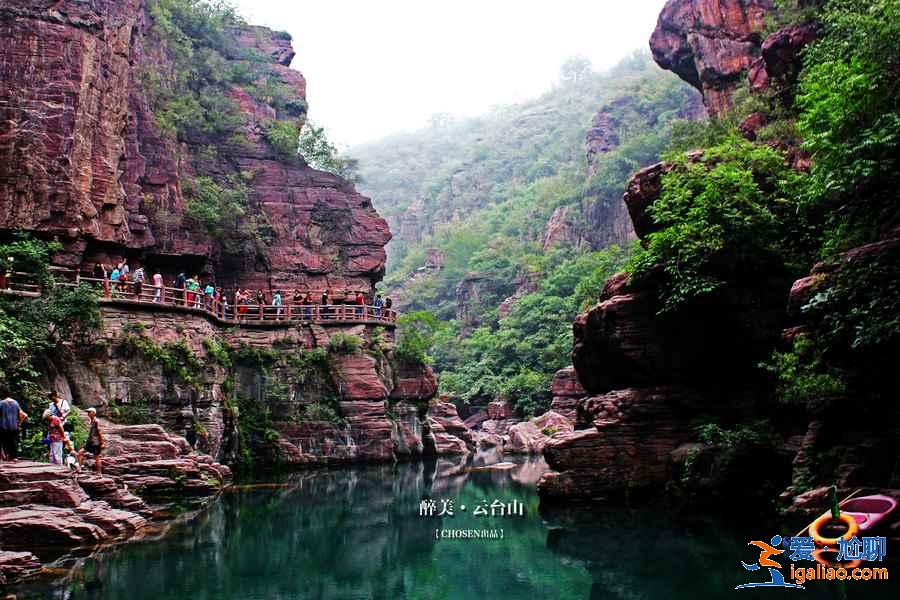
x=208, y=293
x=307, y=306
x=360, y=304
x=260, y=298
x=193, y=285
x=179, y=285
x=241, y=300
x=157, y=286
x=138, y=282
x=277, y=303
x=189, y=291
x=123, y=268
x=325, y=309
x=123, y=283
x=114, y=280
x=378, y=303
x=99, y=271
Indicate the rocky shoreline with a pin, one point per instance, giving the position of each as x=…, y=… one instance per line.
x=45, y=507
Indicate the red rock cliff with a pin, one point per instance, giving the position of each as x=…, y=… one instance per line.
x=710, y=43
x=81, y=157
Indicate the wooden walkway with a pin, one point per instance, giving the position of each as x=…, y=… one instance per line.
x=147, y=296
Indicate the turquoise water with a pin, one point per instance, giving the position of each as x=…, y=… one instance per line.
x=357, y=533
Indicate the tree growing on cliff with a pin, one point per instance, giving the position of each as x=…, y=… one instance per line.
x=319, y=153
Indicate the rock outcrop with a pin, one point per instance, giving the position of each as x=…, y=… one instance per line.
x=82, y=158
x=779, y=62
x=647, y=370
x=560, y=229
x=567, y=393
x=354, y=387
x=606, y=219
x=446, y=433
x=601, y=138
x=531, y=436
x=710, y=44
x=44, y=505
x=17, y=566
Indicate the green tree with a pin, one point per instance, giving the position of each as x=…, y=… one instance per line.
x=318, y=151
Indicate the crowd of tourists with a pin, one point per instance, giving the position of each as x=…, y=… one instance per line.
x=58, y=429
x=239, y=304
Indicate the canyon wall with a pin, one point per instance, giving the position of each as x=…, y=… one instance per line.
x=651, y=377
x=308, y=401
x=83, y=159
x=710, y=44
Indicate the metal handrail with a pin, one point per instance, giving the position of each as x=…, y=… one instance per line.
x=196, y=300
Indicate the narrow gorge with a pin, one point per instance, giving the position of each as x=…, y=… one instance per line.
x=657, y=301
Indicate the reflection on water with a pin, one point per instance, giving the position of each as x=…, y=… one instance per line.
x=356, y=533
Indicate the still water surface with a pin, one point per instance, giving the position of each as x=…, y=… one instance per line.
x=356, y=533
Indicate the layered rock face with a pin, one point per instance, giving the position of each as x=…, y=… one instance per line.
x=446, y=432
x=647, y=374
x=607, y=219
x=567, y=393
x=81, y=156
x=359, y=387
x=44, y=505
x=710, y=44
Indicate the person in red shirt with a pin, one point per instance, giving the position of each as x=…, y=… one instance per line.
x=360, y=303
x=57, y=437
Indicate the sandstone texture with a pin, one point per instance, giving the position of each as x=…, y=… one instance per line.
x=641, y=376
x=710, y=44
x=567, y=393
x=356, y=385
x=779, y=62
x=81, y=156
x=44, y=505
x=446, y=432
x=531, y=436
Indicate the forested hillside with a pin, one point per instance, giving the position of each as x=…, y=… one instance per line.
x=504, y=224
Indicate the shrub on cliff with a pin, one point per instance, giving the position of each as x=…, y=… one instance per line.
x=344, y=343
x=724, y=215
x=284, y=137
x=319, y=153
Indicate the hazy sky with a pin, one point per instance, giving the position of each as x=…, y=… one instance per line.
x=375, y=67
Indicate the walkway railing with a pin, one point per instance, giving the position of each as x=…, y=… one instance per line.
x=196, y=300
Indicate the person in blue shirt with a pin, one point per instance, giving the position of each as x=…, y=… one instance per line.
x=114, y=279
x=208, y=292
x=11, y=418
